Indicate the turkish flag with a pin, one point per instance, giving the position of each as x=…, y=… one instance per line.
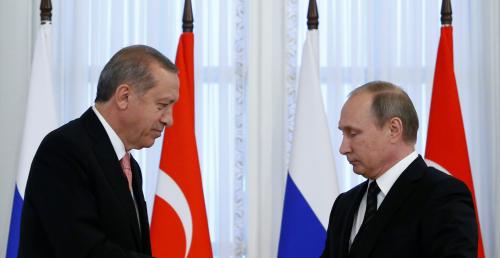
x=446, y=142
x=179, y=226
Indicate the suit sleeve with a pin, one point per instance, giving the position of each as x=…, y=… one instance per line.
x=327, y=252
x=450, y=228
x=59, y=206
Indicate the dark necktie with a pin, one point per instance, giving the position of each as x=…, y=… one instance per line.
x=371, y=202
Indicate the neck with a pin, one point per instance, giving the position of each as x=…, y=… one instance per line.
x=112, y=117
x=398, y=154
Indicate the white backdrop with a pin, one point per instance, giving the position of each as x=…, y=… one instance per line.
x=397, y=41
x=362, y=41
x=270, y=33
x=88, y=33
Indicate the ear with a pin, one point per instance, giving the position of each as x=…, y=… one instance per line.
x=122, y=96
x=395, y=126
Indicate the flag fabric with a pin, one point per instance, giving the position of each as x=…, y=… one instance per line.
x=311, y=185
x=179, y=226
x=41, y=118
x=446, y=143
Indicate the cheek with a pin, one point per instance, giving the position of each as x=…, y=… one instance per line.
x=361, y=143
x=365, y=147
x=152, y=118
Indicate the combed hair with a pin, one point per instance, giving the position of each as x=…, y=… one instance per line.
x=131, y=65
x=391, y=101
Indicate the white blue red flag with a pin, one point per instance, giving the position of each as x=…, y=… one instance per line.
x=41, y=118
x=311, y=186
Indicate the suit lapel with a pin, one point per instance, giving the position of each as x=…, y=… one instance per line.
x=141, y=207
x=345, y=236
x=111, y=167
x=402, y=188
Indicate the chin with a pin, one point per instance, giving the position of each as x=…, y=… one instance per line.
x=358, y=171
x=149, y=144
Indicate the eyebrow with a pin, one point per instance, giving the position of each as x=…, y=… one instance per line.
x=168, y=99
x=342, y=128
x=348, y=128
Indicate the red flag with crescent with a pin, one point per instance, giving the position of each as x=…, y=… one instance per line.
x=179, y=226
x=446, y=142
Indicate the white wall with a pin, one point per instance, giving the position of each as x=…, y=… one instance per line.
x=15, y=62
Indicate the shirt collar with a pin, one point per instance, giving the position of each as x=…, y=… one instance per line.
x=117, y=143
x=386, y=180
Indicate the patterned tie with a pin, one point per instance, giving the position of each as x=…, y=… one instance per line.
x=125, y=162
x=371, y=202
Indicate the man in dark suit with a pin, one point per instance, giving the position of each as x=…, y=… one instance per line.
x=84, y=196
x=405, y=208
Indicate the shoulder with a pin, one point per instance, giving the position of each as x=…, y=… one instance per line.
x=355, y=190
x=70, y=143
x=448, y=220
x=63, y=138
x=350, y=196
x=430, y=180
x=440, y=181
x=75, y=131
x=58, y=159
x=442, y=192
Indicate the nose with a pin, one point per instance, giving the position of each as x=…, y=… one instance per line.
x=167, y=118
x=345, y=147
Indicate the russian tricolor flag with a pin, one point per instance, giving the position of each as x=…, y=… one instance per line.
x=41, y=118
x=311, y=186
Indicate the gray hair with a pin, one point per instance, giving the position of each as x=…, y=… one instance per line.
x=391, y=101
x=131, y=65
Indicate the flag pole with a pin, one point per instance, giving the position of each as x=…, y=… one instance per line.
x=312, y=16
x=446, y=13
x=445, y=117
x=179, y=225
x=40, y=119
x=45, y=11
x=187, y=17
x=311, y=184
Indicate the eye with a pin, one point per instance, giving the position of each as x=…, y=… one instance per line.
x=161, y=106
x=351, y=133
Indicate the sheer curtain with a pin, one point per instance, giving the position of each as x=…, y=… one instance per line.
x=396, y=41
x=88, y=33
x=361, y=40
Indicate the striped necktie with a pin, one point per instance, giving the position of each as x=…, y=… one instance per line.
x=371, y=202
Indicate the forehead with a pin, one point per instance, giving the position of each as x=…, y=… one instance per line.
x=356, y=112
x=166, y=84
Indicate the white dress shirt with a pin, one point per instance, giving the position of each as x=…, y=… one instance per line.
x=119, y=148
x=117, y=143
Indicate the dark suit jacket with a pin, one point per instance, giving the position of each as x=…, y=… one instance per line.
x=77, y=201
x=426, y=213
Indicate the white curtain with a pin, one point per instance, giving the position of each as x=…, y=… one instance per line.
x=396, y=41
x=88, y=33
x=361, y=40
